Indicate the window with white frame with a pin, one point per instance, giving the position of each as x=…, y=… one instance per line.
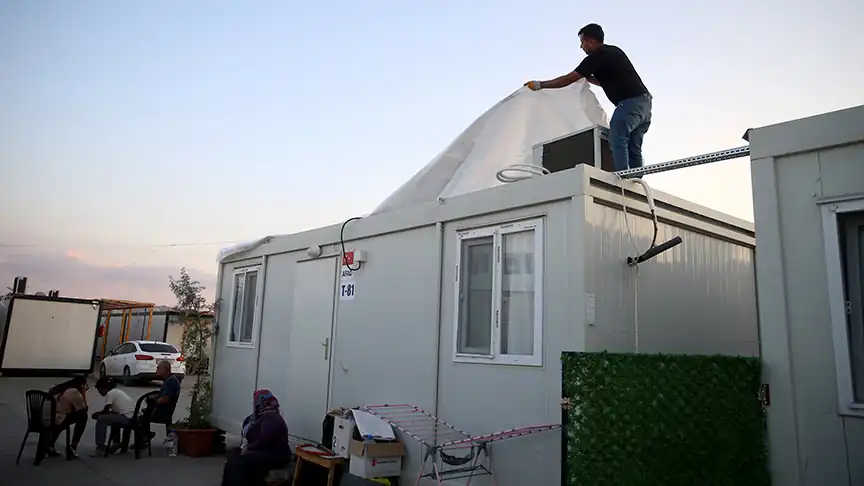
x=499, y=294
x=852, y=230
x=244, y=301
x=844, y=238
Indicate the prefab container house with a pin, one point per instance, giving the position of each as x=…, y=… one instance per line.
x=47, y=335
x=463, y=308
x=136, y=324
x=461, y=290
x=808, y=197
x=162, y=324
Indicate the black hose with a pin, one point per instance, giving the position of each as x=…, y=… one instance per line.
x=655, y=250
x=654, y=238
x=342, y=243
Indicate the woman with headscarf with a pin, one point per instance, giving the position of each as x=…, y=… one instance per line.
x=266, y=444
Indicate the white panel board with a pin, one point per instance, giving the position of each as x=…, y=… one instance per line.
x=50, y=335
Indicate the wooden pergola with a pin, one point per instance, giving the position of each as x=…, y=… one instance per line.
x=127, y=307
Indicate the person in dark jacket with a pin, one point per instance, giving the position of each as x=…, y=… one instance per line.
x=266, y=444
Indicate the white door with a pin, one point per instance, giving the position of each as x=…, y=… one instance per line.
x=309, y=347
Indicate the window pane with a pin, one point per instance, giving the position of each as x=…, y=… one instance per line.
x=238, y=307
x=855, y=282
x=475, y=297
x=157, y=348
x=517, y=294
x=250, y=290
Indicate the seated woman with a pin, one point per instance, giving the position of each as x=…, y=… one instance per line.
x=71, y=411
x=266, y=446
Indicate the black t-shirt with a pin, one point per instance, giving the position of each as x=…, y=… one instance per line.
x=614, y=72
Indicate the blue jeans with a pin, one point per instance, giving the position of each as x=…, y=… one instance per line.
x=106, y=420
x=627, y=129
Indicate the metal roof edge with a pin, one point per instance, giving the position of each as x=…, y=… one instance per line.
x=824, y=130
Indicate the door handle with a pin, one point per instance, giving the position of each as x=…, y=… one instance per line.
x=326, y=344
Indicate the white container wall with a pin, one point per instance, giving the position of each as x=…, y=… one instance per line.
x=45, y=334
x=808, y=194
x=283, y=326
x=698, y=297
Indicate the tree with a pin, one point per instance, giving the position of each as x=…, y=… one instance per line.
x=196, y=316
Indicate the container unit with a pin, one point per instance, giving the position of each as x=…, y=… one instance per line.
x=47, y=335
x=463, y=306
x=166, y=326
x=808, y=194
x=138, y=326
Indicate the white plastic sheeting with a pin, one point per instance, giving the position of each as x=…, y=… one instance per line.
x=501, y=137
x=241, y=247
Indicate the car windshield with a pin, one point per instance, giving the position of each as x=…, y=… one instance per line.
x=157, y=348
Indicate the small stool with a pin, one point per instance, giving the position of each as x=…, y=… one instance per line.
x=314, y=455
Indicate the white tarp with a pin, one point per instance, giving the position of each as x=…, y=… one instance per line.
x=501, y=137
x=241, y=247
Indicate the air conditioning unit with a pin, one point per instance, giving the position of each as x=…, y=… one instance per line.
x=589, y=146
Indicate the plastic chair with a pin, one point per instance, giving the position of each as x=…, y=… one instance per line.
x=139, y=426
x=38, y=423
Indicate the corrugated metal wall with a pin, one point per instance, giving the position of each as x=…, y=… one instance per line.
x=137, y=329
x=698, y=297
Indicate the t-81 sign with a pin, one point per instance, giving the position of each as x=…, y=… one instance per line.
x=347, y=290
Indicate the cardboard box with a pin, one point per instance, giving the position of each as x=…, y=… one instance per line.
x=343, y=430
x=376, y=460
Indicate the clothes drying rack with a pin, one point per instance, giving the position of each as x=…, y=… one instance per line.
x=441, y=440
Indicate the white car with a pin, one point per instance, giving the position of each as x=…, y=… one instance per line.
x=136, y=361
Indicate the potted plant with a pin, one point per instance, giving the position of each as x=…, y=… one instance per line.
x=195, y=435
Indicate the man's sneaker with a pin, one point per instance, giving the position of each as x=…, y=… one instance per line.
x=72, y=453
x=99, y=452
x=52, y=453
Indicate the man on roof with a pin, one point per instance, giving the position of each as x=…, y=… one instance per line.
x=608, y=67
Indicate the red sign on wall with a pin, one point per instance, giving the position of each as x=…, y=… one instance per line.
x=348, y=258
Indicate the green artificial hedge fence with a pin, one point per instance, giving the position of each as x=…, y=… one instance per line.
x=663, y=420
